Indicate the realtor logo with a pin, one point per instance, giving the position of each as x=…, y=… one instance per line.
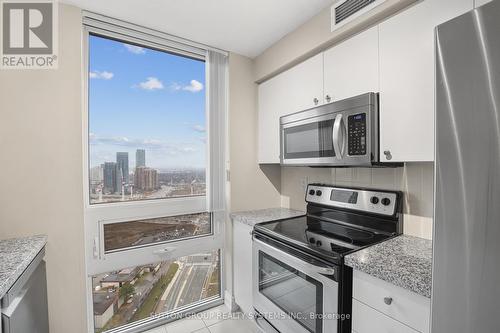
x=29, y=39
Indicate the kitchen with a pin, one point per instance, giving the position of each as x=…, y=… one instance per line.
x=323, y=174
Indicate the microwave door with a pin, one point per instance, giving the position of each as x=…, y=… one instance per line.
x=308, y=143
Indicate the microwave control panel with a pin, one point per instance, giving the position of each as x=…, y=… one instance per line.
x=356, y=139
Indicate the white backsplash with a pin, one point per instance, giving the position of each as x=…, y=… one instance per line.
x=416, y=180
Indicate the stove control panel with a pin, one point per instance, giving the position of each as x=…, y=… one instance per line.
x=371, y=201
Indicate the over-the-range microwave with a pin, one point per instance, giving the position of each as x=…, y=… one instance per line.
x=339, y=134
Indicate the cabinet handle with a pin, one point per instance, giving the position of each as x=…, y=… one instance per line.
x=316, y=101
x=388, y=155
x=388, y=300
x=328, y=98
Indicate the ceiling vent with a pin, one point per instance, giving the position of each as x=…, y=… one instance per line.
x=344, y=11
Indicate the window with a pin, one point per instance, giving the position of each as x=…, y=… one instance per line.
x=156, y=230
x=132, y=294
x=155, y=128
x=147, y=123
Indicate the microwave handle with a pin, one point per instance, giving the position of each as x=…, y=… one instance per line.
x=337, y=128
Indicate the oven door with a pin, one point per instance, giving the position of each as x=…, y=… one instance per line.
x=294, y=294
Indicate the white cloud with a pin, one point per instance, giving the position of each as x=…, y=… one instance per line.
x=104, y=75
x=199, y=128
x=148, y=144
x=135, y=49
x=151, y=83
x=193, y=86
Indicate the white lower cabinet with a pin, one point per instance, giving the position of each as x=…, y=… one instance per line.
x=379, y=306
x=368, y=320
x=242, y=266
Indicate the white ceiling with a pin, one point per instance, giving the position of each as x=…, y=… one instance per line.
x=247, y=27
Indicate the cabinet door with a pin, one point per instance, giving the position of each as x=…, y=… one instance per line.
x=270, y=103
x=407, y=84
x=242, y=266
x=291, y=91
x=368, y=320
x=352, y=67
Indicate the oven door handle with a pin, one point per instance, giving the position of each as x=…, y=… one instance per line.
x=337, y=128
x=308, y=268
x=324, y=270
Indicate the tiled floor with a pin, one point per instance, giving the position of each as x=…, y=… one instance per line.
x=216, y=320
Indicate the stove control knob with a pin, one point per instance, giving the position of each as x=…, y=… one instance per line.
x=318, y=243
x=374, y=200
x=318, y=193
x=311, y=192
x=312, y=240
x=386, y=201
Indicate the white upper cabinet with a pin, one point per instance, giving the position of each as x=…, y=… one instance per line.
x=352, y=67
x=395, y=58
x=406, y=43
x=296, y=89
x=303, y=85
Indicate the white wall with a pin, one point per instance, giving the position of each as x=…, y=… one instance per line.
x=416, y=180
x=252, y=186
x=41, y=169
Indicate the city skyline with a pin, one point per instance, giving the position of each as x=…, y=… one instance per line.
x=148, y=100
x=114, y=181
x=123, y=162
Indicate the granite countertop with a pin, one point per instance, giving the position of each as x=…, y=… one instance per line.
x=15, y=256
x=252, y=217
x=404, y=261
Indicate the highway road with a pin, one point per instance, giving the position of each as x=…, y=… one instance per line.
x=189, y=284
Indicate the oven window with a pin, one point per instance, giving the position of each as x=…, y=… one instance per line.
x=309, y=140
x=297, y=294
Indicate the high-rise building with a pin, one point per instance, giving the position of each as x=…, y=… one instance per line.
x=122, y=163
x=96, y=174
x=146, y=179
x=140, y=158
x=109, y=175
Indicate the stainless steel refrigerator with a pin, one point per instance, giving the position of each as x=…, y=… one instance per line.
x=466, y=268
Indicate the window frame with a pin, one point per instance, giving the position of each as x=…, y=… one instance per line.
x=96, y=259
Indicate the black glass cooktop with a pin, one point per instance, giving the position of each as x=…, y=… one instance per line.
x=324, y=237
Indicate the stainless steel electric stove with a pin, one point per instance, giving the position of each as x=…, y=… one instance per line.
x=300, y=281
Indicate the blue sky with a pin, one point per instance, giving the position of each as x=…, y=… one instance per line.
x=143, y=98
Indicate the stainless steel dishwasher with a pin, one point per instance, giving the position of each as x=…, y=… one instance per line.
x=24, y=306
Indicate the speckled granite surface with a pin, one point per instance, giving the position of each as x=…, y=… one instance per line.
x=15, y=255
x=404, y=261
x=252, y=217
